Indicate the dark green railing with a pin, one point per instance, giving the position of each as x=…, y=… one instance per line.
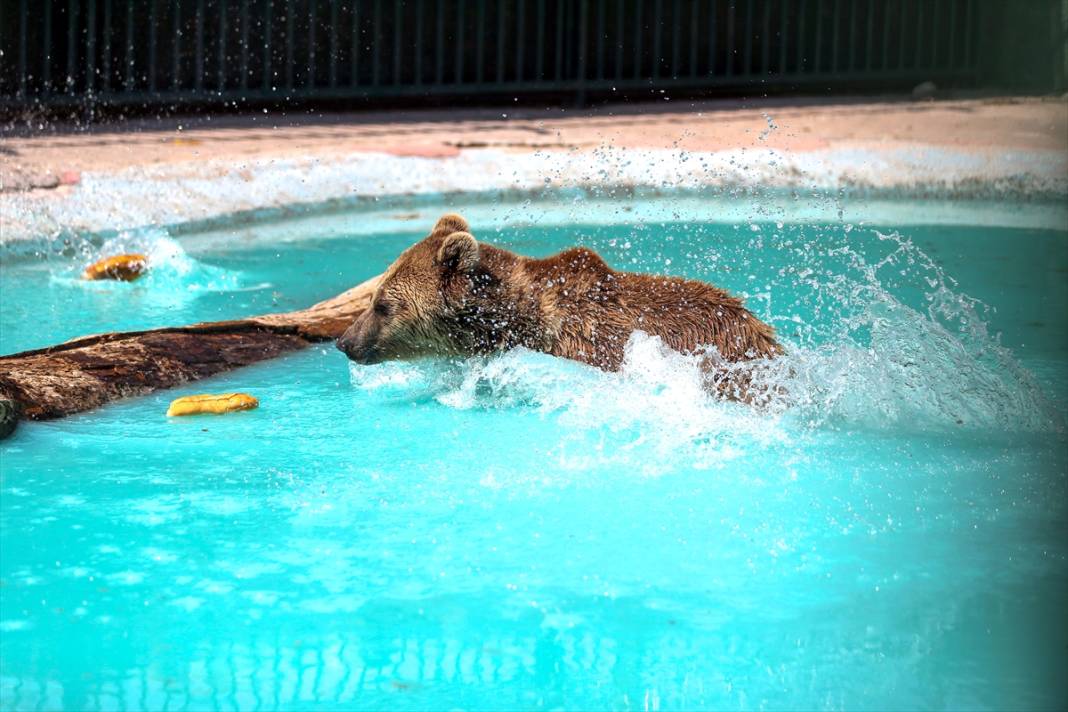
x=157, y=52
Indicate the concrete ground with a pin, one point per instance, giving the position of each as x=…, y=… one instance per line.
x=205, y=167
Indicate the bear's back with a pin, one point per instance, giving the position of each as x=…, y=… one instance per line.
x=596, y=309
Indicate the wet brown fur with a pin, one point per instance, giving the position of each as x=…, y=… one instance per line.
x=448, y=294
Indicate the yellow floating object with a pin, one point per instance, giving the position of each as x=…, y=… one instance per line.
x=126, y=268
x=215, y=404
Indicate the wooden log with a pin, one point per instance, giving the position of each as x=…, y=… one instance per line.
x=90, y=371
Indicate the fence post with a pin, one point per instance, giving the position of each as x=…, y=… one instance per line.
x=580, y=92
x=23, y=46
x=1061, y=81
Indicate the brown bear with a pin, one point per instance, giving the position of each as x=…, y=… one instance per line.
x=451, y=295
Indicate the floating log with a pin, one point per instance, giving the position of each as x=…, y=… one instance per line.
x=90, y=371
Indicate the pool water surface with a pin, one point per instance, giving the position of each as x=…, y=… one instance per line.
x=525, y=532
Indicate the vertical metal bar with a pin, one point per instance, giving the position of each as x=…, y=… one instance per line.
x=310, y=81
x=676, y=44
x=222, y=46
x=357, y=42
x=376, y=44
x=90, y=47
x=885, y=34
x=693, y=37
x=853, y=36
x=539, y=56
x=935, y=5
x=901, y=37
x=398, y=22
x=198, y=80
x=583, y=41
x=836, y=18
x=289, y=45
x=619, y=39
x=439, y=71
x=244, y=44
x=177, y=56
x=969, y=35
x=729, y=69
x=712, y=32
x=129, y=46
x=500, y=42
x=3, y=24
x=919, y=38
x=885, y=6
x=801, y=12
x=418, y=42
x=817, y=63
x=46, y=69
x=600, y=39
x=870, y=46
x=952, y=54
x=460, y=42
x=765, y=39
x=559, y=41
x=333, y=43
x=72, y=6
x=782, y=36
x=24, y=42
x=268, y=25
x=638, y=39
x=521, y=37
x=312, y=45
x=152, y=42
x=747, y=68
x=658, y=21
x=480, y=41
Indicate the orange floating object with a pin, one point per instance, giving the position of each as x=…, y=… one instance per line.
x=212, y=404
x=125, y=268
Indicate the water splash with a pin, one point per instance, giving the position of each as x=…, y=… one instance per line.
x=656, y=402
x=868, y=358
x=173, y=275
x=860, y=354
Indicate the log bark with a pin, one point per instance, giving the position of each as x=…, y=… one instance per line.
x=90, y=371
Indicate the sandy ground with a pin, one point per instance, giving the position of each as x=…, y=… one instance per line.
x=200, y=168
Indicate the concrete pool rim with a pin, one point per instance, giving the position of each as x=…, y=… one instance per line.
x=209, y=193
x=494, y=211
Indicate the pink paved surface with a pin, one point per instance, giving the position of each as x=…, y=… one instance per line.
x=173, y=171
x=980, y=126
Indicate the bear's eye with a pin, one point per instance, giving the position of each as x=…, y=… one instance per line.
x=381, y=309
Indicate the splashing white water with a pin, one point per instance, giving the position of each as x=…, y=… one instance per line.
x=860, y=358
x=874, y=361
x=172, y=272
x=657, y=400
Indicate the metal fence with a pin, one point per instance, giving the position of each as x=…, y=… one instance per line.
x=158, y=52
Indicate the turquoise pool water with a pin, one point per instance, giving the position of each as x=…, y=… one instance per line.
x=524, y=532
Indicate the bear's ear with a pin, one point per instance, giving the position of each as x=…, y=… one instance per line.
x=451, y=222
x=459, y=252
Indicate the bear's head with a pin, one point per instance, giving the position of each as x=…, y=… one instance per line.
x=426, y=302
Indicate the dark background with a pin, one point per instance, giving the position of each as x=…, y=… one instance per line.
x=153, y=55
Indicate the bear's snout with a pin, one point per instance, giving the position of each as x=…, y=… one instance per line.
x=345, y=345
x=355, y=344
x=360, y=353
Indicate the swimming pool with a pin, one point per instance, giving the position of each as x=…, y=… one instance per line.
x=520, y=531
